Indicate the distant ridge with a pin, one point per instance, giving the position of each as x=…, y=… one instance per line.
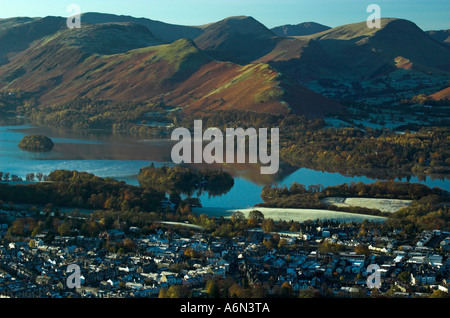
x=166, y=32
x=442, y=36
x=301, y=29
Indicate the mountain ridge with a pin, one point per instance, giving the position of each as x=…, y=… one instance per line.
x=236, y=63
x=301, y=29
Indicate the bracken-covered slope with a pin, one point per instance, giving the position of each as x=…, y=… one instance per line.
x=124, y=62
x=441, y=95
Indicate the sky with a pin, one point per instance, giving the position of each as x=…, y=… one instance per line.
x=427, y=14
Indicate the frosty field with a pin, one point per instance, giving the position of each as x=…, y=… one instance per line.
x=299, y=215
x=384, y=205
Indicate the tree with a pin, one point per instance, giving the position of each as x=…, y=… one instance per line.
x=39, y=176
x=257, y=215
x=64, y=229
x=268, y=225
x=362, y=249
x=404, y=277
x=17, y=227
x=237, y=217
x=212, y=289
x=286, y=290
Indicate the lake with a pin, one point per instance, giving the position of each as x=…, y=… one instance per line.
x=108, y=154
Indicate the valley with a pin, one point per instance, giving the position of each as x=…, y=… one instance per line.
x=87, y=172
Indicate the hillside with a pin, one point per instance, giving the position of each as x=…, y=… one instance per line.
x=441, y=95
x=301, y=59
x=17, y=34
x=301, y=29
x=253, y=87
x=125, y=63
x=50, y=63
x=442, y=36
x=368, y=53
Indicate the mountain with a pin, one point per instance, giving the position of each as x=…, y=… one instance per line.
x=50, y=61
x=363, y=53
x=239, y=39
x=165, y=32
x=305, y=28
x=125, y=62
x=442, y=36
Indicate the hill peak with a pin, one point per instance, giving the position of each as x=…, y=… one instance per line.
x=240, y=24
x=360, y=29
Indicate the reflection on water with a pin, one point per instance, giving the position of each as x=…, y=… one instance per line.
x=108, y=154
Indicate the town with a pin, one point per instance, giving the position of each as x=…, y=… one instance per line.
x=178, y=260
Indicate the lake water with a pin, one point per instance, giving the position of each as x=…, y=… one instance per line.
x=106, y=154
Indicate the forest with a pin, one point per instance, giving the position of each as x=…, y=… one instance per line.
x=185, y=181
x=73, y=189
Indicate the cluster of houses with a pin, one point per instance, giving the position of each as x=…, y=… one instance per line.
x=160, y=260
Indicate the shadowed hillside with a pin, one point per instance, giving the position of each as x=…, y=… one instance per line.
x=236, y=39
x=305, y=28
x=166, y=32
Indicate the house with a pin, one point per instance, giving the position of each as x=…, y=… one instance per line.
x=357, y=267
x=423, y=278
x=44, y=280
x=170, y=279
x=3, y=229
x=352, y=256
x=113, y=235
x=445, y=244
